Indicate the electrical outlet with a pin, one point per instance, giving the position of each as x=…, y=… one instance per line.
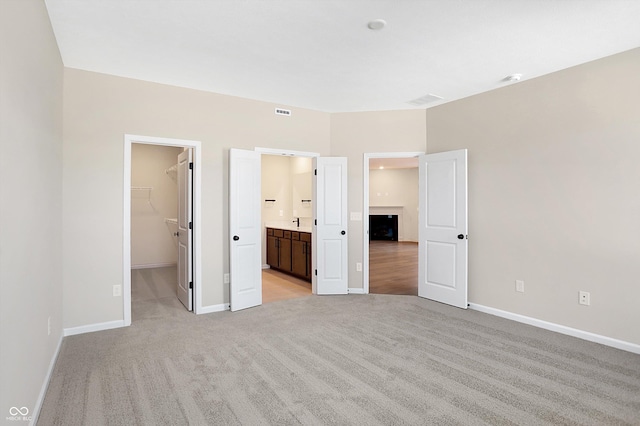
x=356, y=216
x=225, y=278
x=585, y=298
x=117, y=290
x=49, y=327
x=359, y=267
x=520, y=286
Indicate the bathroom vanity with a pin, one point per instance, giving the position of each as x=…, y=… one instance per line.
x=289, y=251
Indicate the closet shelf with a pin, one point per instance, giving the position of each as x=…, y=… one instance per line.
x=172, y=169
x=171, y=220
x=138, y=189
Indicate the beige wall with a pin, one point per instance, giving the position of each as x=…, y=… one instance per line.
x=99, y=110
x=152, y=239
x=352, y=135
x=30, y=201
x=276, y=185
x=554, y=194
x=397, y=187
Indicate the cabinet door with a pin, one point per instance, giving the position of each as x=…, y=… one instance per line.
x=299, y=258
x=272, y=251
x=285, y=254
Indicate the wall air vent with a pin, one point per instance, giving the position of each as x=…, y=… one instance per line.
x=425, y=99
x=281, y=111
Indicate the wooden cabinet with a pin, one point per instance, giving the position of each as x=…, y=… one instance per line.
x=290, y=252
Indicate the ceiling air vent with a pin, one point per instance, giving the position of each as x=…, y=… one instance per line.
x=280, y=111
x=425, y=99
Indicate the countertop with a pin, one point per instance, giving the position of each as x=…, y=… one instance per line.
x=287, y=226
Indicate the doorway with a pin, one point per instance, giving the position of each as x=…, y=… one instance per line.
x=287, y=204
x=390, y=246
x=329, y=251
x=195, y=244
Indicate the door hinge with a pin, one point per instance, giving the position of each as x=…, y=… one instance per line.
x=315, y=172
x=190, y=284
x=190, y=225
x=315, y=222
x=316, y=272
x=190, y=166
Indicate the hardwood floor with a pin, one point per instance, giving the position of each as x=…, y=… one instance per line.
x=393, y=267
x=278, y=286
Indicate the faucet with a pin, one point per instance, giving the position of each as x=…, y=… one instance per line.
x=297, y=222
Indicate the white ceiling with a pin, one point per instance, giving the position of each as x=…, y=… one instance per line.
x=319, y=54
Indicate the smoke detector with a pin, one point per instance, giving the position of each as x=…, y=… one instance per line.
x=377, y=24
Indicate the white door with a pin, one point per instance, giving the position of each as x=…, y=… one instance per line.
x=245, y=253
x=442, y=274
x=330, y=250
x=185, y=231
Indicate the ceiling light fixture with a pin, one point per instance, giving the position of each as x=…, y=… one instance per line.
x=377, y=24
x=513, y=77
x=381, y=167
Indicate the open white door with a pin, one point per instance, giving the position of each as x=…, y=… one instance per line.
x=330, y=251
x=442, y=274
x=185, y=231
x=245, y=253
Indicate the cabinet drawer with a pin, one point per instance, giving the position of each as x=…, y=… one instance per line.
x=278, y=233
x=269, y=231
x=295, y=235
x=304, y=236
x=287, y=235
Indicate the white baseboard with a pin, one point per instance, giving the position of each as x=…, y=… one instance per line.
x=214, y=308
x=153, y=265
x=355, y=291
x=581, y=334
x=45, y=384
x=266, y=266
x=93, y=327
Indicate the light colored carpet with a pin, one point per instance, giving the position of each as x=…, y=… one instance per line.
x=361, y=360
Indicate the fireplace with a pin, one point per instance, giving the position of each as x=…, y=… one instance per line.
x=383, y=227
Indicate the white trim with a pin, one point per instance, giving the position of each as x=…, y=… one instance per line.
x=90, y=328
x=581, y=334
x=215, y=308
x=287, y=152
x=355, y=290
x=365, y=207
x=153, y=265
x=45, y=384
x=197, y=217
x=266, y=266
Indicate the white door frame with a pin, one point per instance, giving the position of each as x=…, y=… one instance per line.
x=126, y=220
x=365, y=206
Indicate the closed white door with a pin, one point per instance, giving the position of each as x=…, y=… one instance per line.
x=442, y=274
x=185, y=231
x=245, y=287
x=330, y=252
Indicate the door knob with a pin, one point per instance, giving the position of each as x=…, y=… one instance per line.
x=176, y=234
x=343, y=232
x=236, y=238
x=460, y=237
